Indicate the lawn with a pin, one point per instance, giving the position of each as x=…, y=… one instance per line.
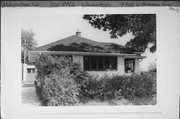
x=113, y=102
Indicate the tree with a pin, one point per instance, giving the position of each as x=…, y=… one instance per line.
x=142, y=26
x=27, y=43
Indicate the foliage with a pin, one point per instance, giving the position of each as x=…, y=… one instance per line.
x=56, y=80
x=120, y=86
x=142, y=26
x=60, y=81
x=27, y=43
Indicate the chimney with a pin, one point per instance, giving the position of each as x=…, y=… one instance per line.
x=78, y=33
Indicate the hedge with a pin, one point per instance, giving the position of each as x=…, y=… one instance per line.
x=56, y=81
x=120, y=86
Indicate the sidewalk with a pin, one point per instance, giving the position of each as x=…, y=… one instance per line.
x=29, y=97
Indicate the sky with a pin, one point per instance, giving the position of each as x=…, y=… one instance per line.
x=50, y=28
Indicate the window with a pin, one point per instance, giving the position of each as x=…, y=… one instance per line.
x=30, y=70
x=100, y=63
x=33, y=70
x=129, y=65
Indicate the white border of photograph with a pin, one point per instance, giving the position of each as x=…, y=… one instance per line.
x=14, y=86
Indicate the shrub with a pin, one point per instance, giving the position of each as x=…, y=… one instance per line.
x=57, y=80
x=60, y=90
x=120, y=86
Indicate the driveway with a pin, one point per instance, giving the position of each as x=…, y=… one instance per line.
x=29, y=96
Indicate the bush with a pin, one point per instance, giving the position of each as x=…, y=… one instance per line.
x=57, y=80
x=120, y=86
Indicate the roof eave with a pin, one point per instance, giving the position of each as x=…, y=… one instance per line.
x=80, y=53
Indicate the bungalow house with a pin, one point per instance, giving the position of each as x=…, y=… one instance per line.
x=94, y=57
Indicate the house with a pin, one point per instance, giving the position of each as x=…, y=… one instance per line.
x=29, y=73
x=94, y=57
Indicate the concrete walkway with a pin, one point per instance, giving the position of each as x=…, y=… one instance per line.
x=29, y=96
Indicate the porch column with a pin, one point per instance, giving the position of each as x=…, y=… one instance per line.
x=137, y=66
x=120, y=64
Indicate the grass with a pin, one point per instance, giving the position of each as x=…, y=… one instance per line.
x=135, y=101
x=144, y=101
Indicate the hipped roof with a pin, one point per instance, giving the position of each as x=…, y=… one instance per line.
x=79, y=44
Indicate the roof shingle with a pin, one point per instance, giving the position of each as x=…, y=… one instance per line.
x=80, y=44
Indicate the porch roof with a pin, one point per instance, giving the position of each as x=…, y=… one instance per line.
x=34, y=54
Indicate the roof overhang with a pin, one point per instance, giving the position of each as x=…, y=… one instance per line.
x=135, y=57
x=138, y=52
x=34, y=54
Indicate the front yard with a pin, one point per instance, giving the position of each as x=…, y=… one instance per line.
x=61, y=82
x=116, y=102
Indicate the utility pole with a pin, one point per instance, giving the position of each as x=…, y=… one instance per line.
x=24, y=64
x=25, y=52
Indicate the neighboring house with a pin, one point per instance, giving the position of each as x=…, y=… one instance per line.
x=94, y=57
x=29, y=73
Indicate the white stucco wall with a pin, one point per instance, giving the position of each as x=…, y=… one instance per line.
x=120, y=65
x=120, y=68
x=78, y=59
x=137, y=66
x=29, y=77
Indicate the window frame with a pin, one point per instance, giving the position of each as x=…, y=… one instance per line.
x=31, y=70
x=111, y=59
x=129, y=60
